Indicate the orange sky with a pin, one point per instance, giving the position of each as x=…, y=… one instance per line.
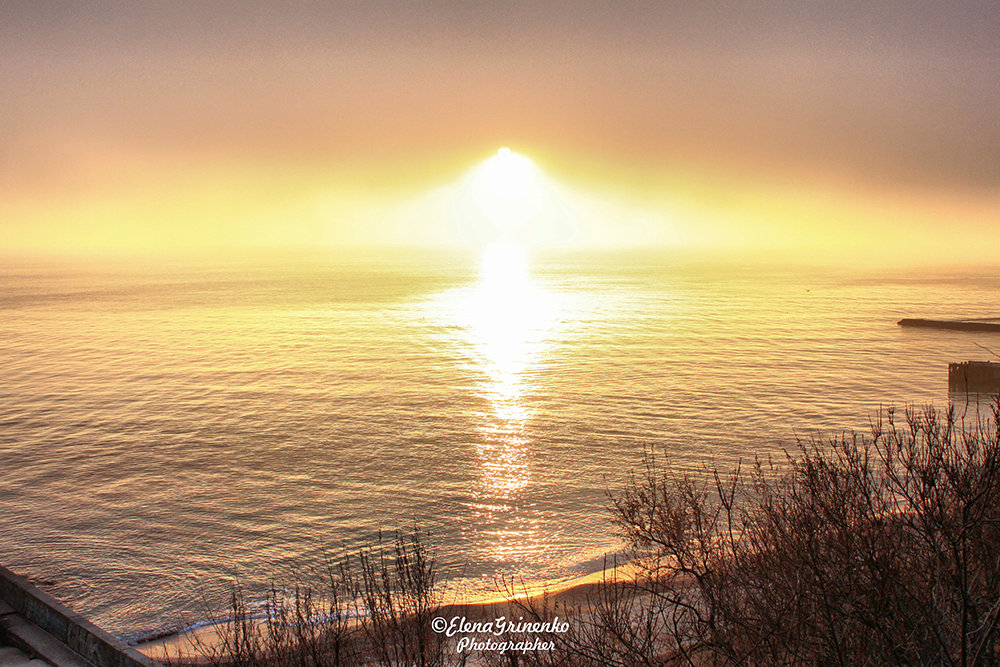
x=770, y=124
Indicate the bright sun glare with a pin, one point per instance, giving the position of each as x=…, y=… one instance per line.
x=508, y=195
x=507, y=190
x=504, y=267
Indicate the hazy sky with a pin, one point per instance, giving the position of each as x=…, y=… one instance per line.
x=120, y=102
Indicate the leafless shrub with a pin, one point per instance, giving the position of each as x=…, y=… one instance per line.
x=619, y=622
x=373, y=608
x=868, y=550
x=397, y=598
x=882, y=549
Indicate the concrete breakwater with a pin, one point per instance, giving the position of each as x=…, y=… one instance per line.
x=37, y=624
x=984, y=324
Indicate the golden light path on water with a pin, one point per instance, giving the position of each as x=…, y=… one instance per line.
x=507, y=323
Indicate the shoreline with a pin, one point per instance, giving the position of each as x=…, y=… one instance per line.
x=182, y=645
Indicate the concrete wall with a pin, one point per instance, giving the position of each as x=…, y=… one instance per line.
x=66, y=626
x=975, y=376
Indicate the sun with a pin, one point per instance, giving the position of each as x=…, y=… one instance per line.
x=507, y=190
x=504, y=205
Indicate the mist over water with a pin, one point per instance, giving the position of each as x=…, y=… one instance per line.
x=163, y=428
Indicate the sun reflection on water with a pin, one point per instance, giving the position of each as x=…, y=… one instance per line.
x=507, y=320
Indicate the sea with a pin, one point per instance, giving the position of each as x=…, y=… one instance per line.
x=170, y=427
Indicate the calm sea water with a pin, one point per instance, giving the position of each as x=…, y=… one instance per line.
x=166, y=427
